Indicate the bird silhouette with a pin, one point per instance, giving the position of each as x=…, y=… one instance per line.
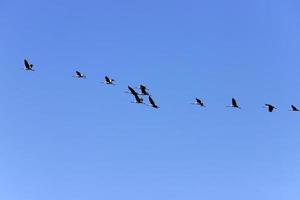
x=270, y=107
x=234, y=104
x=28, y=66
x=198, y=102
x=78, y=74
x=144, y=90
x=294, y=109
x=108, y=81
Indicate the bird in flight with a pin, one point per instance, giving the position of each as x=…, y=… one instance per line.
x=152, y=103
x=108, y=81
x=198, y=102
x=234, y=104
x=270, y=107
x=144, y=90
x=294, y=109
x=28, y=66
x=78, y=74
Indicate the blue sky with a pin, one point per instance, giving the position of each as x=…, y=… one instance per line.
x=63, y=138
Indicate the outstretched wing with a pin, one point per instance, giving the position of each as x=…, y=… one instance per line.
x=26, y=64
x=137, y=98
x=132, y=91
x=151, y=101
x=144, y=90
x=142, y=87
x=234, y=103
x=270, y=107
x=78, y=73
x=294, y=108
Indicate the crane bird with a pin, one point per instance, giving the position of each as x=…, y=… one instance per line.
x=152, y=103
x=198, y=102
x=270, y=107
x=108, y=81
x=138, y=100
x=28, y=66
x=78, y=74
x=294, y=109
x=144, y=90
x=234, y=104
x=131, y=91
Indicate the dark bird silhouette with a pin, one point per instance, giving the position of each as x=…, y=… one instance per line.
x=234, y=104
x=132, y=91
x=198, y=102
x=270, y=107
x=144, y=90
x=108, y=81
x=294, y=108
x=152, y=103
x=79, y=75
x=138, y=100
x=28, y=66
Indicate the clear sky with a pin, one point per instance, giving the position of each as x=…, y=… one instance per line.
x=68, y=139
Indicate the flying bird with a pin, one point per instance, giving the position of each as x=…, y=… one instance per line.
x=79, y=75
x=144, y=90
x=198, y=102
x=28, y=66
x=152, y=103
x=294, y=108
x=270, y=107
x=234, y=104
x=108, y=81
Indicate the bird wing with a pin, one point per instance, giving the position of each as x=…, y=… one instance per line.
x=26, y=63
x=143, y=90
x=294, y=107
x=132, y=90
x=151, y=101
x=142, y=87
x=270, y=107
x=78, y=73
x=107, y=79
x=234, y=103
x=137, y=98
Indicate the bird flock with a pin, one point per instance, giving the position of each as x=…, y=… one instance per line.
x=144, y=91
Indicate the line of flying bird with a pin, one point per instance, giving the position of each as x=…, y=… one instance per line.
x=144, y=91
